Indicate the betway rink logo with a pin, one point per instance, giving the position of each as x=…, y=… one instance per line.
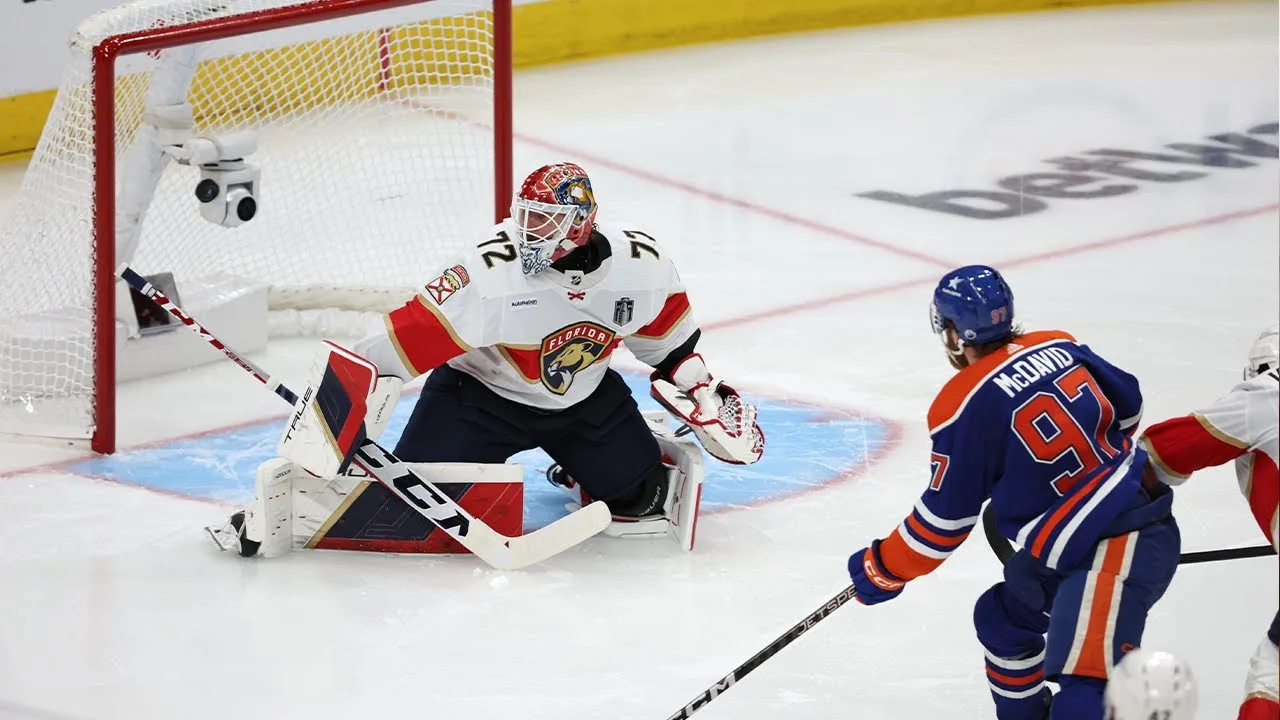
x=1092, y=174
x=809, y=448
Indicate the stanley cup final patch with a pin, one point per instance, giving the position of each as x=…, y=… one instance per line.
x=453, y=280
x=622, y=311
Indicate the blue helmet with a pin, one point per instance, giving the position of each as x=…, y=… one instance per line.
x=977, y=301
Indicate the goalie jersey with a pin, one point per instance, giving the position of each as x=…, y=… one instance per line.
x=1239, y=426
x=542, y=340
x=1041, y=427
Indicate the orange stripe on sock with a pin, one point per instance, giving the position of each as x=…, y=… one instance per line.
x=1027, y=680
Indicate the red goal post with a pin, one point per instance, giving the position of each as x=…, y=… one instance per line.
x=384, y=133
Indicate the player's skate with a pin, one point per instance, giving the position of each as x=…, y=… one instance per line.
x=264, y=527
x=682, y=460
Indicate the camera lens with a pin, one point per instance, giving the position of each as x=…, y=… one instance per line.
x=246, y=208
x=207, y=190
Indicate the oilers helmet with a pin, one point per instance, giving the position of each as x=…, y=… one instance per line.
x=978, y=303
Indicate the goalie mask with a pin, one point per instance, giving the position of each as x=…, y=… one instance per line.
x=553, y=212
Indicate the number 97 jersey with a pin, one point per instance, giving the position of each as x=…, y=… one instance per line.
x=1043, y=428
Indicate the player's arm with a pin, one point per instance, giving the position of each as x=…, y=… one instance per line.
x=939, y=523
x=722, y=420
x=1211, y=436
x=1120, y=387
x=352, y=392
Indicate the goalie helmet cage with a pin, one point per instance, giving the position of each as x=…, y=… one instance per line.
x=383, y=134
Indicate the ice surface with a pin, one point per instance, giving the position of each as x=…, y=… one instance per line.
x=745, y=160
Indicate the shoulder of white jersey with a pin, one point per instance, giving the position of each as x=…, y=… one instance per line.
x=1267, y=383
x=637, y=250
x=491, y=267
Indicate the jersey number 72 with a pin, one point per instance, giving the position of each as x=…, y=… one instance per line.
x=1050, y=428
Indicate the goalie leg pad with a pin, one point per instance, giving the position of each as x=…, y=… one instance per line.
x=264, y=527
x=678, y=517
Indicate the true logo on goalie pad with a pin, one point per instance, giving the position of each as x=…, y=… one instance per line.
x=570, y=350
x=453, y=280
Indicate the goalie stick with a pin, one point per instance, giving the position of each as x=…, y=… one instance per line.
x=1004, y=549
x=770, y=650
x=496, y=549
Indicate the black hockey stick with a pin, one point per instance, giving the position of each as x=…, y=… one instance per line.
x=498, y=550
x=1004, y=549
x=758, y=659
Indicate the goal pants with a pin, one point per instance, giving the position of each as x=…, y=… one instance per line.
x=603, y=441
x=1091, y=616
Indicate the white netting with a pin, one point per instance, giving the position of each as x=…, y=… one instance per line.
x=375, y=145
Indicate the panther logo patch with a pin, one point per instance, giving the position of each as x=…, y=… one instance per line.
x=569, y=351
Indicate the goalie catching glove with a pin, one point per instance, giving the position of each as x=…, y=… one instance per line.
x=345, y=402
x=724, y=423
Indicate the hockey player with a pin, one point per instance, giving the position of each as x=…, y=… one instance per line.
x=1040, y=425
x=1147, y=684
x=1239, y=426
x=517, y=336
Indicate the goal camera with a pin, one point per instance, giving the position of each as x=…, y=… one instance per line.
x=228, y=186
x=228, y=192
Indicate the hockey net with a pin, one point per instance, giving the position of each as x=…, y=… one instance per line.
x=382, y=130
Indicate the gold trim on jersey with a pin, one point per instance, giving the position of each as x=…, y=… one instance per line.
x=395, y=343
x=502, y=350
x=337, y=514
x=679, y=321
x=1220, y=435
x=444, y=322
x=1160, y=464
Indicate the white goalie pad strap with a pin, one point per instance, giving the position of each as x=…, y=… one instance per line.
x=724, y=423
x=382, y=403
x=328, y=421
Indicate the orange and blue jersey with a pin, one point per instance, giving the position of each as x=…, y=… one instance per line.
x=1042, y=427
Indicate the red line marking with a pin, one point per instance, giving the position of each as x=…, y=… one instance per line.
x=706, y=194
x=819, y=303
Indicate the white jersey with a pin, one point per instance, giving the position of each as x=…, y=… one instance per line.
x=1239, y=426
x=543, y=340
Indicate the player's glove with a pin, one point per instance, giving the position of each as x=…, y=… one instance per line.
x=1030, y=581
x=724, y=422
x=872, y=583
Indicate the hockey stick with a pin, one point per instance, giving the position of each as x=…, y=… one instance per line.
x=758, y=659
x=499, y=551
x=1004, y=549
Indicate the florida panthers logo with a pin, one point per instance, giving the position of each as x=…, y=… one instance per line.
x=576, y=191
x=569, y=351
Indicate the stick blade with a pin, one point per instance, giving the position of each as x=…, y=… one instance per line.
x=546, y=542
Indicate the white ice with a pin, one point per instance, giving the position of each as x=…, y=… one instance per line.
x=744, y=159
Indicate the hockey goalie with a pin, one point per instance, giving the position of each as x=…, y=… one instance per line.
x=515, y=339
